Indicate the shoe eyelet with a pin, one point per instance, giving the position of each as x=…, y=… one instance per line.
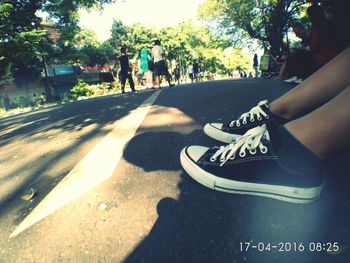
x=238, y=124
x=263, y=150
x=252, y=151
x=230, y=125
x=252, y=120
x=232, y=157
x=259, y=118
x=244, y=122
x=242, y=154
x=267, y=117
x=222, y=159
x=212, y=159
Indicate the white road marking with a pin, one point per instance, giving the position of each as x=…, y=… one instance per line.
x=96, y=167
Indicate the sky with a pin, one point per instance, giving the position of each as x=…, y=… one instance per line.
x=153, y=13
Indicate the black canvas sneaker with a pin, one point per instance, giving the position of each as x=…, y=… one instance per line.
x=262, y=162
x=230, y=131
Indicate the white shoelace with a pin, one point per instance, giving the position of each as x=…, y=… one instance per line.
x=255, y=111
x=250, y=141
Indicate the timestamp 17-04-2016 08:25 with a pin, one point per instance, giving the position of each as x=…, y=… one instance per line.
x=331, y=247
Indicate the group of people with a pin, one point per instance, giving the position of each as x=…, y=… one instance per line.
x=152, y=66
x=193, y=71
x=277, y=149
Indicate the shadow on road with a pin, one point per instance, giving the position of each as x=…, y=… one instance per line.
x=209, y=226
x=47, y=130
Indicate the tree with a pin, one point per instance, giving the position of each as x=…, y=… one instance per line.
x=65, y=15
x=85, y=37
x=264, y=20
x=21, y=44
x=140, y=37
x=119, y=35
x=24, y=46
x=188, y=41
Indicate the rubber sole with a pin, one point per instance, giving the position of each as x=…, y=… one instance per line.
x=283, y=193
x=219, y=135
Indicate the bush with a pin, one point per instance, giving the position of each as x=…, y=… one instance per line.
x=39, y=100
x=2, y=107
x=21, y=102
x=67, y=97
x=81, y=89
x=100, y=89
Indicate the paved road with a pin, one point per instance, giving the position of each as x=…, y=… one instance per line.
x=145, y=208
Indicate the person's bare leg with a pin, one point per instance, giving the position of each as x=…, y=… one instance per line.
x=282, y=72
x=158, y=81
x=325, y=131
x=316, y=90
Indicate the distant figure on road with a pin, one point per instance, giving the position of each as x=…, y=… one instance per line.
x=159, y=67
x=255, y=65
x=190, y=72
x=177, y=74
x=195, y=70
x=168, y=76
x=125, y=71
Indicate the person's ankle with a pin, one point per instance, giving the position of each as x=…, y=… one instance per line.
x=300, y=136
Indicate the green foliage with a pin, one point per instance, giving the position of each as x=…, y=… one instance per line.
x=81, y=89
x=18, y=36
x=2, y=106
x=119, y=35
x=39, y=100
x=5, y=9
x=85, y=37
x=67, y=97
x=184, y=42
x=264, y=20
x=24, y=47
x=188, y=41
x=92, y=56
x=86, y=50
x=23, y=44
x=21, y=102
x=209, y=9
x=100, y=89
x=238, y=58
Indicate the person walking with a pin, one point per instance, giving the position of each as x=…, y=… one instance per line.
x=145, y=67
x=177, y=74
x=159, y=67
x=125, y=71
x=190, y=72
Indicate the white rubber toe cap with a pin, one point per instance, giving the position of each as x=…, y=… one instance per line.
x=196, y=152
x=214, y=130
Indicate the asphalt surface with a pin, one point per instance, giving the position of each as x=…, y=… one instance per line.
x=150, y=210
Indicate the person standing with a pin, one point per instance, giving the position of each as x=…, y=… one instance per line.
x=146, y=67
x=159, y=67
x=190, y=72
x=195, y=70
x=125, y=71
x=255, y=65
x=177, y=74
